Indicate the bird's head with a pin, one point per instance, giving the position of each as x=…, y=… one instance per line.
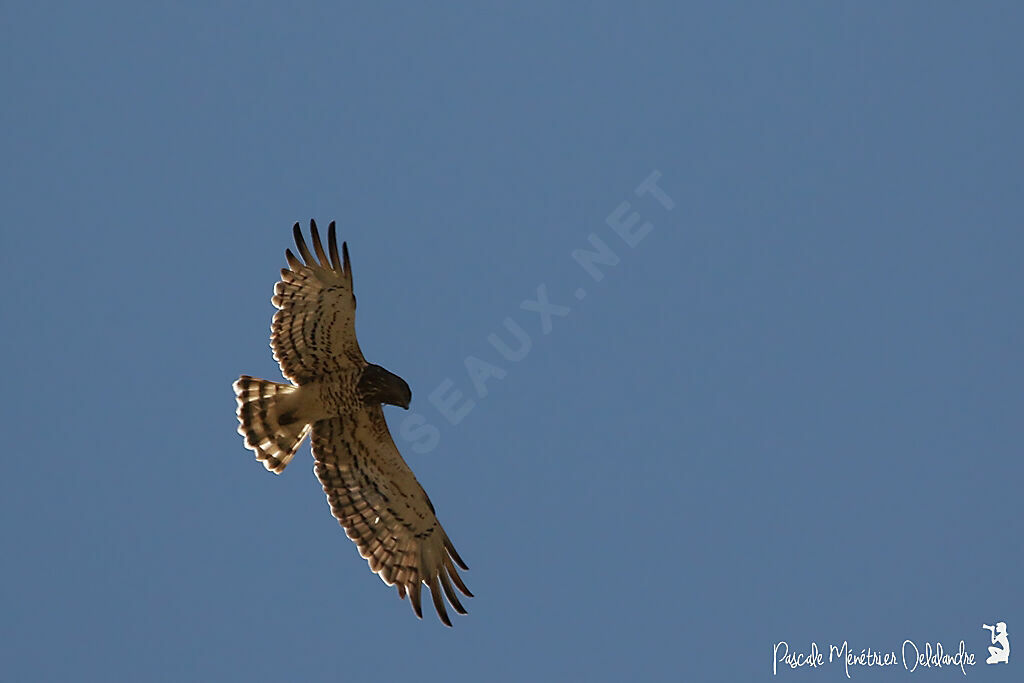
x=377, y=385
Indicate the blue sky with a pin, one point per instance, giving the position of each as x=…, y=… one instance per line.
x=790, y=411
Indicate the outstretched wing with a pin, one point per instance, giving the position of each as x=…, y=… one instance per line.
x=376, y=497
x=314, y=333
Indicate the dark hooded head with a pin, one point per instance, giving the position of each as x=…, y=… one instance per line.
x=377, y=386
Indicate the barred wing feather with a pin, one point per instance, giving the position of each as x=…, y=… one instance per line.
x=376, y=498
x=314, y=334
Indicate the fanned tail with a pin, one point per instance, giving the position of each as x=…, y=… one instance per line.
x=267, y=420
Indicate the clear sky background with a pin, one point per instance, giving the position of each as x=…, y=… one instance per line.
x=791, y=412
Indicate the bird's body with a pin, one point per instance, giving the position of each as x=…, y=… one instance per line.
x=337, y=396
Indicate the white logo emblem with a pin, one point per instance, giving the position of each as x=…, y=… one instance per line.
x=1001, y=654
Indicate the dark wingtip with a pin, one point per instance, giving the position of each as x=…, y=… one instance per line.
x=318, y=246
x=450, y=593
x=435, y=594
x=454, y=554
x=414, y=598
x=301, y=244
x=332, y=246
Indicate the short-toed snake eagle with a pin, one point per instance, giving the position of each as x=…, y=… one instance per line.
x=337, y=395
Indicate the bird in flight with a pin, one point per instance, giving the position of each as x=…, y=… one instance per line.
x=336, y=395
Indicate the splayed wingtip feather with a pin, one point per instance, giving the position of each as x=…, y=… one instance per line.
x=435, y=595
x=301, y=244
x=332, y=246
x=454, y=554
x=318, y=246
x=452, y=597
x=414, y=598
x=457, y=579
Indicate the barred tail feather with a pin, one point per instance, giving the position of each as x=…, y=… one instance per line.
x=267, y=420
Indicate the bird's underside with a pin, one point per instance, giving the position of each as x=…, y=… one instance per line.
x=336, y=396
